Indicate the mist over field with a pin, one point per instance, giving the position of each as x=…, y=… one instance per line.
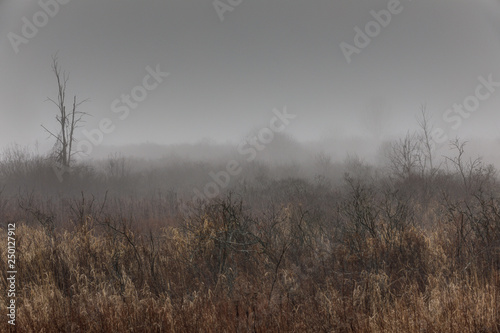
x=250, y=166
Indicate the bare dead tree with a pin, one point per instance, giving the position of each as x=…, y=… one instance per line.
x=414, y=154
x=475, y=175
x=427, y=160
x=67, y=121
x=404, y=156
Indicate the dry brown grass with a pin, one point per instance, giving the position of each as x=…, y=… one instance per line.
x=226, y=272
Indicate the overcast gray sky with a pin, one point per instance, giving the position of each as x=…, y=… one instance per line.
x=225, y=77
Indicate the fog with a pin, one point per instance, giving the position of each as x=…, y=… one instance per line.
x=250, y=165
x=230, y=66
x=290, y=88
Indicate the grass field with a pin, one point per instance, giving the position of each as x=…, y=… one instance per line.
x=368, y=253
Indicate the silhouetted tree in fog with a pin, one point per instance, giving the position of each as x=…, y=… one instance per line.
x=67, y=121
